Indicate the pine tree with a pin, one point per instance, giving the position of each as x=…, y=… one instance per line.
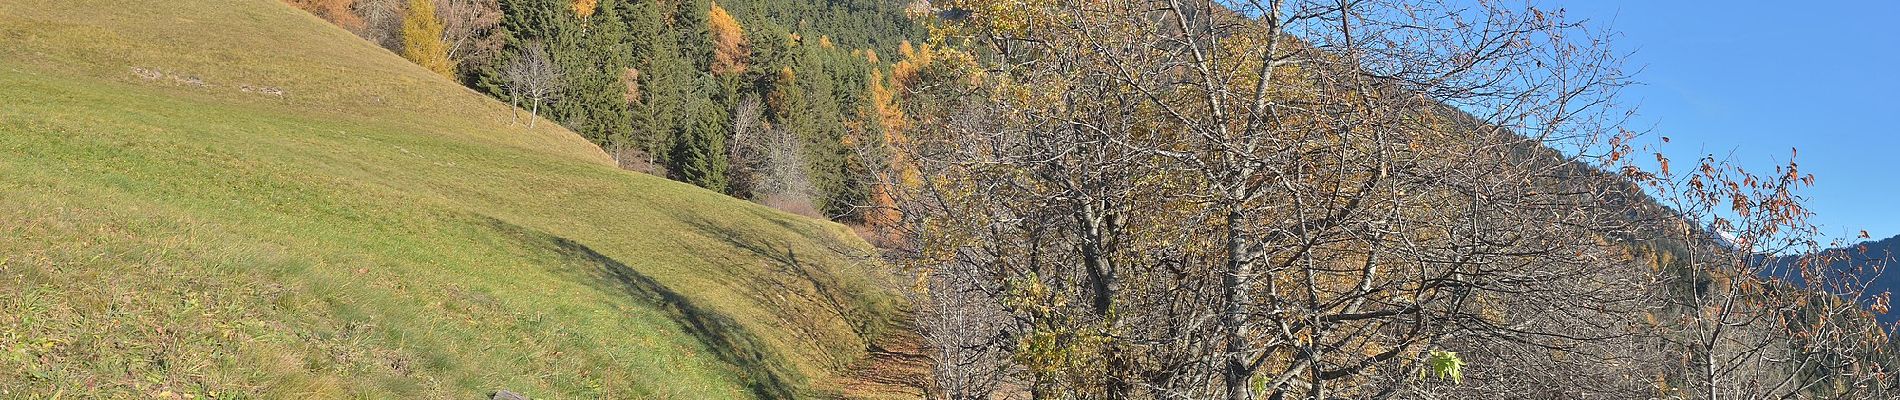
x=666, y=80
x=692, y=21
x=699, y=152
x=598, y=107
x=768, y=45
x=535, y=20
x=422, y=39
x=820, y=122
x=584, y=88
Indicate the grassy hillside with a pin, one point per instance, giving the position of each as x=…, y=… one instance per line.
x=232, y=198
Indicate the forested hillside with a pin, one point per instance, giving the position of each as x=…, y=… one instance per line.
x=1088, y=199
x=1851, y=258
x=786, y=102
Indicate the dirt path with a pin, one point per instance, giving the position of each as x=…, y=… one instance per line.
x=897, y=368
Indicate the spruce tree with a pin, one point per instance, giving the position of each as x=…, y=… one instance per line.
x=607, y=50
x=693, y=21
x=821, y=124
x=666, y=86
x=699, y=152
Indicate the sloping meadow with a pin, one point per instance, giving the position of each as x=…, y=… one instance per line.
x=233, y=198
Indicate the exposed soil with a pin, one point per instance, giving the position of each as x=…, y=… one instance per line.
x=898, y=367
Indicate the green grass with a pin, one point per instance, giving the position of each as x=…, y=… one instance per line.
x=375, y=232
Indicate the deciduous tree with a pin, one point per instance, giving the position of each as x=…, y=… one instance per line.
x=382, y=22
x=422, y=38
x=730, y=50
x=1192, y=199
x=895, y=171
x=1753, y=306
x=471, y=30
x=585, y=8
x=534, y=78
x=338, y=12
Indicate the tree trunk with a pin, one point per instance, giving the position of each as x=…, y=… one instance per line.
x=1233, y=322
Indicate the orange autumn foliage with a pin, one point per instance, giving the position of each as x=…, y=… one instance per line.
x=884, y=216
x=730, y=49
x=905, y=71
x=586, y=8
x=336, y=11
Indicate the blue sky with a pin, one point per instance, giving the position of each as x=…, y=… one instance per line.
x=1755, y=79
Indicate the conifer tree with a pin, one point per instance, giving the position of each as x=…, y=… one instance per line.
x=422, y=39
x=699, y=152
x=820, y=122
x=535, y=20
x=768, y=44
x=691, y=21
x=597, y=60
x=666, y=79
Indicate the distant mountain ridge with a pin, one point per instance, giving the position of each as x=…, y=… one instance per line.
x=1869, y=254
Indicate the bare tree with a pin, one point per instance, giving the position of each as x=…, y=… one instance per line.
x=1759, y=310
x=767, y=161
x=382, y=22
x=470, y=30
x=958, y=314
x=1199, y=199
x=531, y=76
x=746, y=151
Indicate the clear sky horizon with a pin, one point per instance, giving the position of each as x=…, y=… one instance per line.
x=1755, y=79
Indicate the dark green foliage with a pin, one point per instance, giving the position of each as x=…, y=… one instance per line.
x=770, y=48
x=534, y=19
x=873, y=24
x=821, y=124
x=695, y=37
x=699, y=149
x=806, y=101
x=597, y=105
x=636, y=76
x=664, y=76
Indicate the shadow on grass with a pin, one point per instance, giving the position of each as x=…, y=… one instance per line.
x=840, y=297
x=724, y=337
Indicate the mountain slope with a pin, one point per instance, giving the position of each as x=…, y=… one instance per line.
x=1870, y=260
x=233, y=197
